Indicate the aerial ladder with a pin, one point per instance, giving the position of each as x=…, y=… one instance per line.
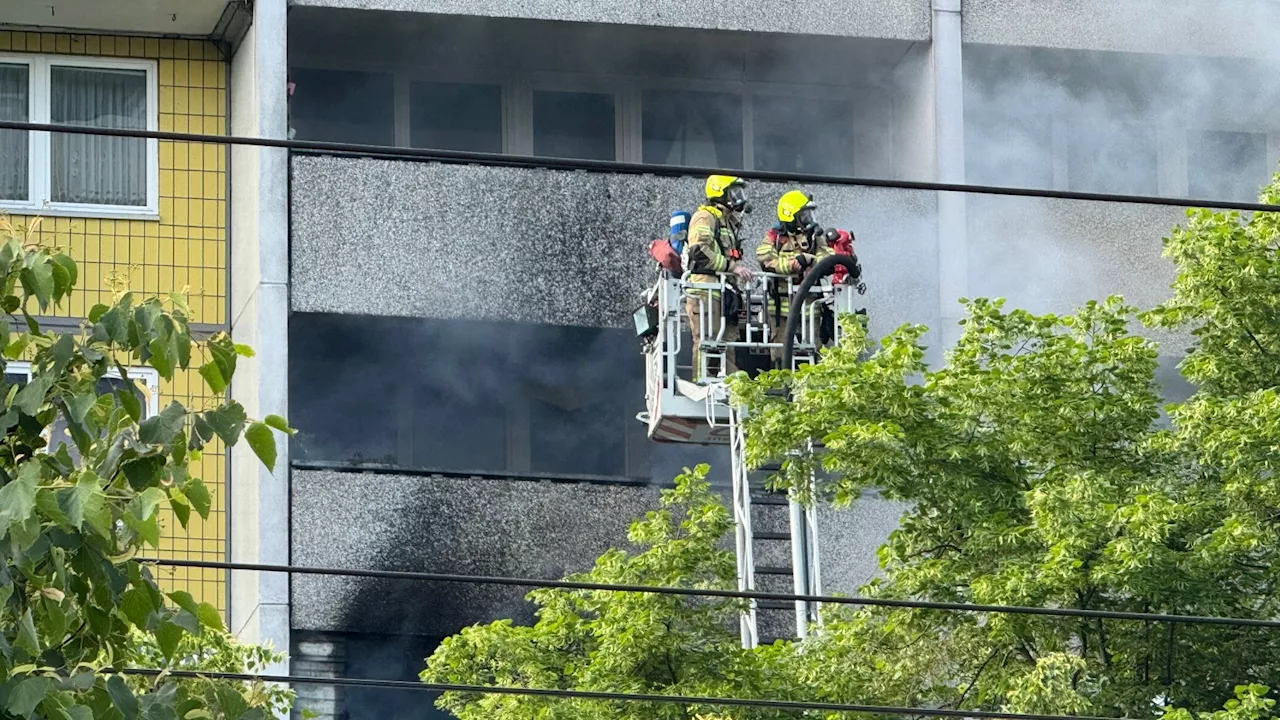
x=776, y=536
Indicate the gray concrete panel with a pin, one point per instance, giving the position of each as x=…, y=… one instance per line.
x=898, y=19
x=412, y=239
x=1232, y=28
x=480, y=526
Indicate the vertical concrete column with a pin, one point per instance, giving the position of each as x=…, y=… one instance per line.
x=947, y=76
x=259, y=317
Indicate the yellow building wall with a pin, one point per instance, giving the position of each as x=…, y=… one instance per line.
x=185, y=249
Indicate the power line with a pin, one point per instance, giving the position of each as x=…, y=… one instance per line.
x=631, y=168
x=606, y=696
x=738, y=594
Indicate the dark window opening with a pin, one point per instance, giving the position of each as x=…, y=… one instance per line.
x=1227, y=165
x=574, y=125
x=470, y=396
x=808, y=135
x=683, y=127
x=343, y=106
x=456, y=116
x=1116, y=159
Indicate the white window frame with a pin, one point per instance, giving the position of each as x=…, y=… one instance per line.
x=149, y=378
x=40, y=148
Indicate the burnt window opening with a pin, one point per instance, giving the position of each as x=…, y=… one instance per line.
x=463, y=396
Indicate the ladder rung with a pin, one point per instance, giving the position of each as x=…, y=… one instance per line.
x=769, y=499
x=773, y=570
x=770, y=536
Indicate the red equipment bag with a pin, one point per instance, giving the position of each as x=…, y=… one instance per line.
x=841, y=245
x=661, y=251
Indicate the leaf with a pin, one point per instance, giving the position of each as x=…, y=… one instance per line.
x=37, y=281
x=61, y=281
x=280, y=424
x=79, y=712
x=83, y=501
x=78, y=407
x=263, y=443
x=244, y=350
x=180, y=506
x=168, y=636
x=226, y=421
x=199, y=496
x=27, y=638
x=97, y=311
x=66, y=263
x=187, y=621
x=31, y=396
x=18, y=498
x=137, y=606
x=144, y=472
x=64, y=348
x=53, y=594
x=223, y=352
x=122, y=697
x=213, y=377
x=209, y=616
x=184, y=600
x=131, y=403
x=162, y=428
x=28, y=693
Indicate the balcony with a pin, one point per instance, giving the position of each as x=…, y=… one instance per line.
x=198, y=18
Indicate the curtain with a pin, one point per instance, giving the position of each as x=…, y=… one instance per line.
x=97, y=169
x=14, y=146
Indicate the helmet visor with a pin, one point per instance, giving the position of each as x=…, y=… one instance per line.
x=735, y=197
x=805, y=219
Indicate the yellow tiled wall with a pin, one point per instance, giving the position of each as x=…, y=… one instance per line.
x=186, y=248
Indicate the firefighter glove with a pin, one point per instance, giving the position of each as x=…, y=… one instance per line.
x=742, y=271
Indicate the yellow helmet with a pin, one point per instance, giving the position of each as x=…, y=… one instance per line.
x=727, y=190
x=795, y=211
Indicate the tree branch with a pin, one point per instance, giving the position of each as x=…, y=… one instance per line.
x=974, y=681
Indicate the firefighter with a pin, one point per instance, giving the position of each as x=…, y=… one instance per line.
x=796, y=244
x=713, y=247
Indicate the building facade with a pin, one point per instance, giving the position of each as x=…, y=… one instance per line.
x=451, y=339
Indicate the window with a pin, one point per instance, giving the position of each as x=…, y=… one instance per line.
x=693, y=128
x=1116, y=159
x=15, y=102
x=146, y=387
x=456, y=116
x=1227, y=165
x=471, y=396
x=574, y=125
x=799, y=134
x=343, y=106
x=64, y=173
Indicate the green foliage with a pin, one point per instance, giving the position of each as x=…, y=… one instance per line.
x=1038, y=470
x=620, y=642
x=73, y=602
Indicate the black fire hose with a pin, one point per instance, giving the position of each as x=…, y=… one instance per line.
x=823, y=268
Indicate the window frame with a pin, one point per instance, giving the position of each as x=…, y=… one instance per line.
x=149, y=378
x=517, y=98
x=40, y=144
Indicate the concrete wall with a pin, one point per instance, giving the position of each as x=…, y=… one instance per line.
x=1234, y=28
x=383, y=237
x=478, y=526
x=899, y=19
x=259, y=318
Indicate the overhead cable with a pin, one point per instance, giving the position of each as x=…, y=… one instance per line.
x=607, y=696
x=697, y=592
x=525, y=161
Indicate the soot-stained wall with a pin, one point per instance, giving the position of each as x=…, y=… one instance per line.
x=898, y=19
x=478, y=526
x=411, y=239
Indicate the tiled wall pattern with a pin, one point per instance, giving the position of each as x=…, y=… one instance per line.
x=186, y=248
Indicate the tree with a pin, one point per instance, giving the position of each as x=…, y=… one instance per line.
x=1039, y=470
x=74, y=601
x=622, y=642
